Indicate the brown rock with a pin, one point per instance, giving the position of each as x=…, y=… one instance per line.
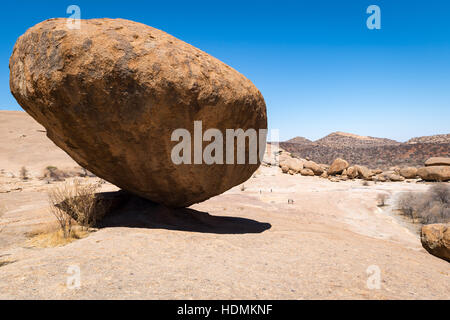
x=434, y=173
x=295, y=165
x=435, y=239
x=112, y=93
x=437, y=161
x=380, y=178
x=395, y=177
x=307, y=172
x=395, y=169
x=408, y=173
x=283, y=157
x=352, y=172
x=364, y=172
x=324, y=175
x=337, y=166
x=314, y=167
x=377, y=171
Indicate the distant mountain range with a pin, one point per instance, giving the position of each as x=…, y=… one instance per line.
x=370, y=151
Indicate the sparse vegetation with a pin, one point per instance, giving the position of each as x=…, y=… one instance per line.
x=52, y=235
x=75, y=201
x=380, y=156
x=365, y=183
x=24, y=173
x=381, y=199
x=428, y=207
x=52, y=173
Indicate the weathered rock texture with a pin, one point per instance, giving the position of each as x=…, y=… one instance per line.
x=338, y=166
x=434, y=173
x=112, y=93
x=408, y=173
x=435, y=239
x=437, y=161
x=314, y=167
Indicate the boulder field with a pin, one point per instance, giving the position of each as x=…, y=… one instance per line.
x=340, y=170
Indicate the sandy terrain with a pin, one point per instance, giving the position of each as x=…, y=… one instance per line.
x=247, y=244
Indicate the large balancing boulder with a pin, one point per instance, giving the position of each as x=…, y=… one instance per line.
x=112, y=93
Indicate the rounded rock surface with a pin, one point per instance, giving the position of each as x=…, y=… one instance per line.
x=111, y=94
x=435, y=239
x=437, y=161
x=338, y=166
x=434, y=173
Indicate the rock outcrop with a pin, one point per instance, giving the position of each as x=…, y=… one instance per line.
x=435, y=239
x=293, y=164
x=408, y=173
x=314, y=167
x=364, y=172
x=394, y=177
x=307, y=172
x=337, y=166
x=437, y=161
x=112, y=94
x=434, y=173
x=352, y=172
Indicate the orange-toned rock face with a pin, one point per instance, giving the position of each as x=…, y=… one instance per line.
x=435, y=239
x=111, y=94
x=437, y=161
x=337, y=166
x=434, y=173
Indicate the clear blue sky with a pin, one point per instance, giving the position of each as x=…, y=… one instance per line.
x=318, y=66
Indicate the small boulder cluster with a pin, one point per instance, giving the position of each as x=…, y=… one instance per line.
x=436, y=169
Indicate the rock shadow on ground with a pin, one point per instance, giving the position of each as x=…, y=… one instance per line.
x=128, y=210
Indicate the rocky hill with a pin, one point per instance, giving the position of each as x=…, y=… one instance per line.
x=300, y=140
x=343, y=139
x=438, y=138
x=369, y=151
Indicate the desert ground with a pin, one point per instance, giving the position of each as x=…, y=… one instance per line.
x=251, y=242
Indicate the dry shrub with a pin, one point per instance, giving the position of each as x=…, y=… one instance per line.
x=381, y=199
x=75, y=201
x=432, y=206
x=52, y=235
x=24, y=173
x=52, y=173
